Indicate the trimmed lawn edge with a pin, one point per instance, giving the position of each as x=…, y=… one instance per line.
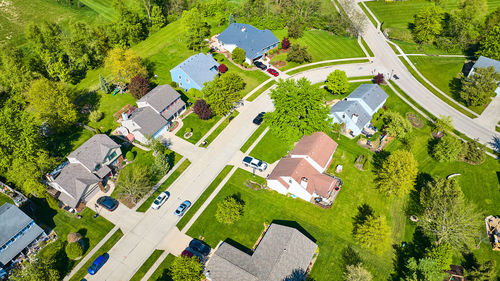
x=360, y=77
x=365, y=10
x=175, y=174
x=306, y=67
x=220, y=128
x=147, y=265
x=160, y=270
x=82, y=272
x=261, y=90
x=366, y=47
x=203, y=197
x=252, y=138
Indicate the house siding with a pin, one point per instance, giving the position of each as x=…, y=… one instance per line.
x=349, y=124
x=294, y=188
x=183, y=80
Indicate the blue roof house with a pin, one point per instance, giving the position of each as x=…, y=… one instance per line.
x=487, y=62
x=195, y=71
x=356, y=111
x=254, y=41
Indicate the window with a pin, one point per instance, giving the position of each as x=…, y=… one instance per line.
x=97, y=167
x=112, y=155
x=180, y=77
x=180, y=84
x=187, y=80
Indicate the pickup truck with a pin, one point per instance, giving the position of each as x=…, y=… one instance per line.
x=255, y=163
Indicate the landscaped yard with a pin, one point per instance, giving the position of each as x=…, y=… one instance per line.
x=162, y=272
x=146, y=265
x=271, y=148
x=199, y=127
x=252, y=138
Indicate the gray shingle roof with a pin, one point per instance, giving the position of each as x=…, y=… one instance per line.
x=74, y=178
x=160, y=97
x=172, y=109
x=282, y=251
x=485, y=62
x=93, y=151
x=350, y=108
x=247, y=37
x=149, y=121
x=200, y=68
x=12, y=221
x=372, y=94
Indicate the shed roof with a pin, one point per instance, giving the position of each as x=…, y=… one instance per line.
x=200, y=68
x=160, y=97
x=93, y=151
x=74, y=178
x=249, y=38
x=350, y=108
x=485, y=62
x=149, y=121
x=318, y=146
x=372, y=94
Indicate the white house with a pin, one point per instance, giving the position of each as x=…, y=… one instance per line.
x=356, y=111
x=487, y=62
x=301, y=173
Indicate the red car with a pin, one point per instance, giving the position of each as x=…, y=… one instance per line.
x=273, y=71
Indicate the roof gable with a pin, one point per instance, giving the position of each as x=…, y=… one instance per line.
x=160, y=97
x=318, y=146
x=93, y=151
x=350, y=108
x=148, y=120
x=74, y=179
x=200, y=68
x=372, y=94
x=247, y=37
x=486, y=62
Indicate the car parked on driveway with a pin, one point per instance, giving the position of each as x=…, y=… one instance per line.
x=162, y=198
x=255, y=163
x=97, y=264
x=200, y=247
x=258, y=119
x=182, y=208
x=108, y=203
x=260, y=65
x=273, y=72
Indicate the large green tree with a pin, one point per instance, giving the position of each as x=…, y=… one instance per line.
x=490, y=44
x=485, y=271
x=125, y=64
x=337, y=82
x=223, y=92
x=447, y=217
x=37, y=269
x=229, y=210
x=298, y=54
x=398, y=173
x=447, y=148
x=157, y=19
x=134, y=183
x=425, y=269
x=396, y=124
x=478, y=88
x=428, y=24
x=443, y=124
x=299, y=109
x=357, y=273
x=186, y=269
x=373, y=234
x=195, y=27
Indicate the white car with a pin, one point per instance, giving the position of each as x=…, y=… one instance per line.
x=162, y=198
x=255, y=163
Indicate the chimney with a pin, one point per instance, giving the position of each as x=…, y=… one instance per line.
x=354, y=118
x=124, y=116
x=303, y=182
x=243, y=29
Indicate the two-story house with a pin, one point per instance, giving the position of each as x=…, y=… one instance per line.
x=154, y=115
x=484, y=62
x=356, y=111
x=253, y=41
x=301, y=173
x=88, y=167
x=195, y=71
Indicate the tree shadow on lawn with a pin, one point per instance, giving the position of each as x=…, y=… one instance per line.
x=379, y=159
x=364, y=212
x=414, y=207
x=416, y=248
x=41, y=212
x=350, y=256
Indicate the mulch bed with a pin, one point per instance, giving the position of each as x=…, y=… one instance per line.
x=279, y=63
x=415, y=120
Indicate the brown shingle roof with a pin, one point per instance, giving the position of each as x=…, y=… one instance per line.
x=319, y=146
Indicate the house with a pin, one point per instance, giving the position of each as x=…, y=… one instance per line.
x=487, y=62
x=254, y=41
x=77, y=180
x=301, y=173
x=356, y=111
x=154, y=115
x=283, y=253
x=195, y=71
x=18, y=233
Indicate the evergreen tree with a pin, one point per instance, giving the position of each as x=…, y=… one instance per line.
x=103, y=84
x=231, y=19
x=157, y=19
x=398, y=173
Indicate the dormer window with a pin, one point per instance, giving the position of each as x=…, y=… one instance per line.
x=112, y=155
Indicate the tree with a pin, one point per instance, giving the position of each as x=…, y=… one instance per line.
x=447, y=149
x=299, y=110
x=295, y=30
x=157, y=19
x=231, y=20
x=139, y=86
x=298, y=54
x=195, y=28
x=442, y=254
x=373, y=234
x=357, y=273
x=103, y=85
x=473, y=152
x=202, y=109
x=124, y=64
x=395, y=124
x=426, y=269
x=51, y=102
x=490, y=45
x=379, y=79
x=37, y=269
x=337, y=82
x=222, y=68
x=134, y=182
x=482, y=272
x=129, y=27
x=186, y=269
x=447, y=217
x=229, y=210
x=492, y=20
x=223, y=92
x=95, y=116
x=285, y=43
x=478, y=88
x=398, y=173
x=161, y=165
x=443, y=124
x=238, y=55
x=74, y=250
x=428, y=24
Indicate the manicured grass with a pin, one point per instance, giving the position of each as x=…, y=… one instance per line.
x=5, y=199
x=162, y=273
x=271, y=148
x=203, y=197
x=360, y=77
x=295, y=71
x=262, y=89
x=252, y=138
x=372, y=20
x=146, y=265
x=175, y=174
x=199, y=127
x=221, y=127
x=105, y=7
x=366, y=47
x=109, y=105
x=82, y=272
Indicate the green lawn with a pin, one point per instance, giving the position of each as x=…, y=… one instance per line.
x=199, y=127
x=105, y=7
x=5, y=199
x=162, y=273
x=203, y=197
x=262, y=89
x=367, y=48
x=146, y=265
x=252, y=138
x=82, y=272
x=271, y=148
x=325, y=64
x=372, y=20
x=175, y=174
x=221, y=127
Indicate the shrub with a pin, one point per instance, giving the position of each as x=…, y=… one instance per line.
x=222, y=68
x=238, y=55
x=229, y=210
x=473, y=152
x=74, y=237
x=295, y=30
x=139, y=86
x=130, y=156
x=379, y=79
x=74, y=250
x=298, y=54
x=447, y=148
x=245, y=65
x=95, y=116
x=202, y=109
x=285, y=43
x=174, y=84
